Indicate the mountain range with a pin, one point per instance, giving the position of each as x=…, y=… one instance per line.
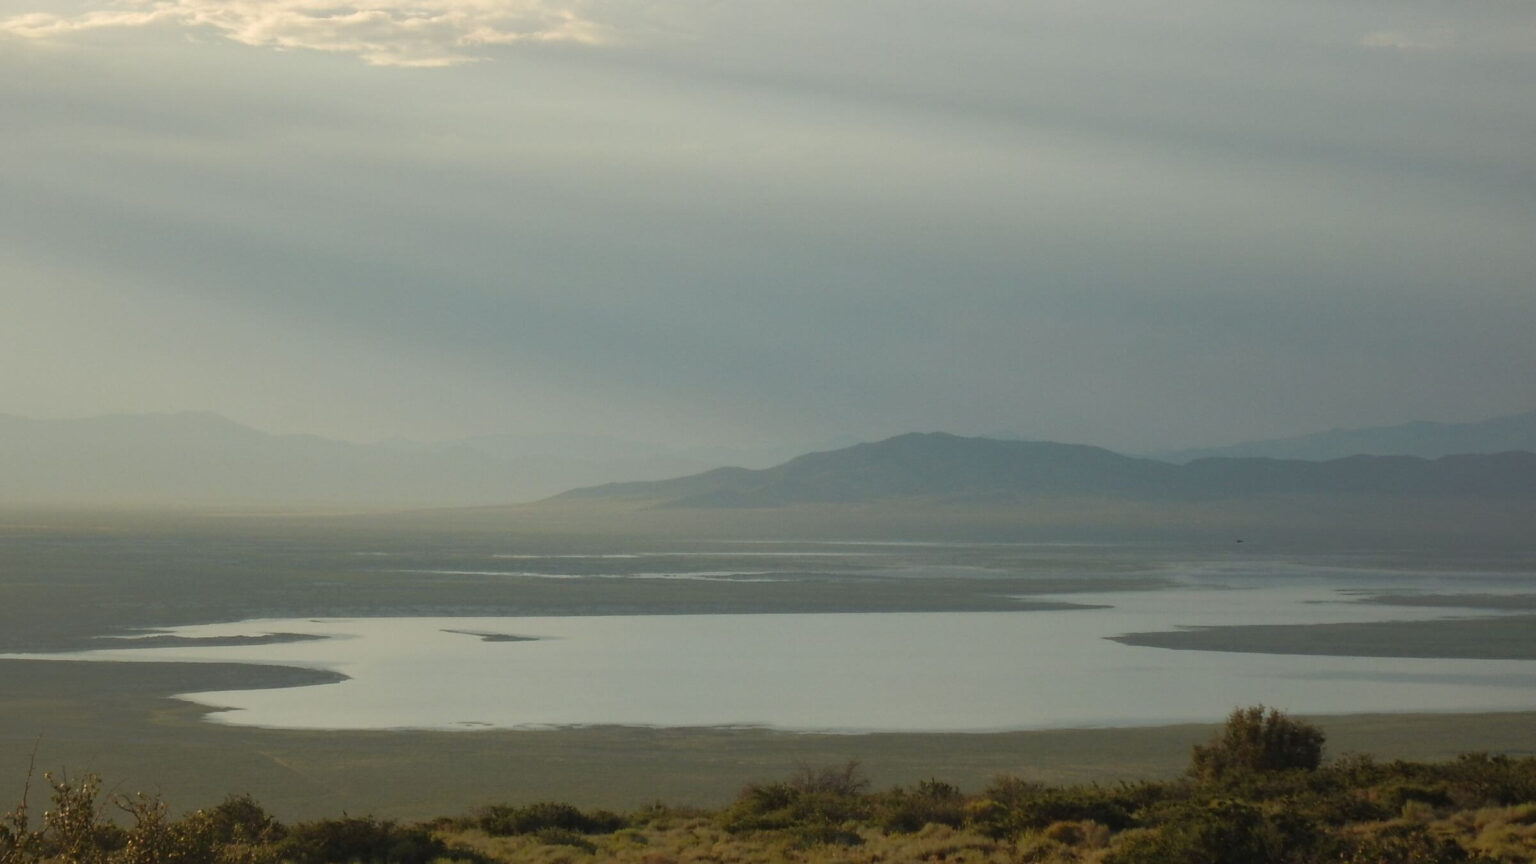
x=1419, y=438
x=948, y=469
x=200, y=459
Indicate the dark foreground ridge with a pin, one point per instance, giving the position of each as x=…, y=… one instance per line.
x=1258, y=792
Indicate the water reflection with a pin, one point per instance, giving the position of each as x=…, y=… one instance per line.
x=918, y=671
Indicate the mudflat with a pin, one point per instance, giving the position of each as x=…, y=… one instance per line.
x=1478, y=638
x=117, y=720
x=66, y=582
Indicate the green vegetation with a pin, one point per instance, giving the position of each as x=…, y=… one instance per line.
x=1257, y=793
x=1255, y=741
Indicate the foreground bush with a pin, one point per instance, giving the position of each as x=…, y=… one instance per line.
x=931, y=802
x=502, y=820
x=1228, y=832
x=817, y=804
x=1258, y=808
x=365, y=841
x=1256, y=740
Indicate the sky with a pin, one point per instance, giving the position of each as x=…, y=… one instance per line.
x=1139, y=225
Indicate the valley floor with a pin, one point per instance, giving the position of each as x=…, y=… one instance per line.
x=117, y=720
x=65, y=581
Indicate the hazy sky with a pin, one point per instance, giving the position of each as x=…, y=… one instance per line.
x=1125, y=223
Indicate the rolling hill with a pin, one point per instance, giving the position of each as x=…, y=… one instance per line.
x=1420, y=438
x=942, y=468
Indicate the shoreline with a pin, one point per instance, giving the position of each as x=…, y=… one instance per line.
x=68, y=584
x=91, y=717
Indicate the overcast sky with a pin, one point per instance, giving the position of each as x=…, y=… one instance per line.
x=1133, y=224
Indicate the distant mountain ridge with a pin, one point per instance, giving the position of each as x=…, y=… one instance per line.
x=201, y=458
x=1420, y=438
x=947, y=468
x=198, y=459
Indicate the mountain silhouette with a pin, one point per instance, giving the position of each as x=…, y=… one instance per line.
x=1420, y=438
x=947, y=468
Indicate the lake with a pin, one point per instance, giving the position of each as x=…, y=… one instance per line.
x=849, y=672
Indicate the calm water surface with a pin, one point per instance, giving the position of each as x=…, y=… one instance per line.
x=922, y=671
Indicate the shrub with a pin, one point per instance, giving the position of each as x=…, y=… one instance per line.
x=1090, y=804
x=837, y=781
x=1222, y=832
x=238, y=831
x=155, y=839
x=1481, y=780
x=502, y=820
x=827, y=835
x=1011, y=806
x=1397, y=795
x=366, y=841
x=1408, y=843
x=564, y=837
x=903, y=811
x=813, y=800
x=1009, y=790
x=72, y=827
x=1257, y=740
x=239, y=819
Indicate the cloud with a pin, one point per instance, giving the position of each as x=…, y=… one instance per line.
x=1503, y=37
x=421, y=33
x=1417, y=39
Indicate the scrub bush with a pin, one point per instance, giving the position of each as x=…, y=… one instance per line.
x=564, y=837
x=931, y=802
x=505, y=821
x=814, y=801
x=1224, y=832
x=1257, y=740
x=364, y=841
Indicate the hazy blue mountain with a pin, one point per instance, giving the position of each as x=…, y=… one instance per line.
x=205, y=459
x=947, y=468
x=1420, y=438
x=605, y=458
x=202, y=458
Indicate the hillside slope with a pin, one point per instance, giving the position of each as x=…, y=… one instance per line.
x=942, y=468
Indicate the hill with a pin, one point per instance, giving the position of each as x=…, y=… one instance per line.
x=946, y=469
x=201, y=459
x=1423, y=439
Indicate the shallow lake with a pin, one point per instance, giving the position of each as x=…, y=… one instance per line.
x=917, y=671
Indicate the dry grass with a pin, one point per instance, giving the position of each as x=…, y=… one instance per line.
x=1505, y=834
x=701, y=841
